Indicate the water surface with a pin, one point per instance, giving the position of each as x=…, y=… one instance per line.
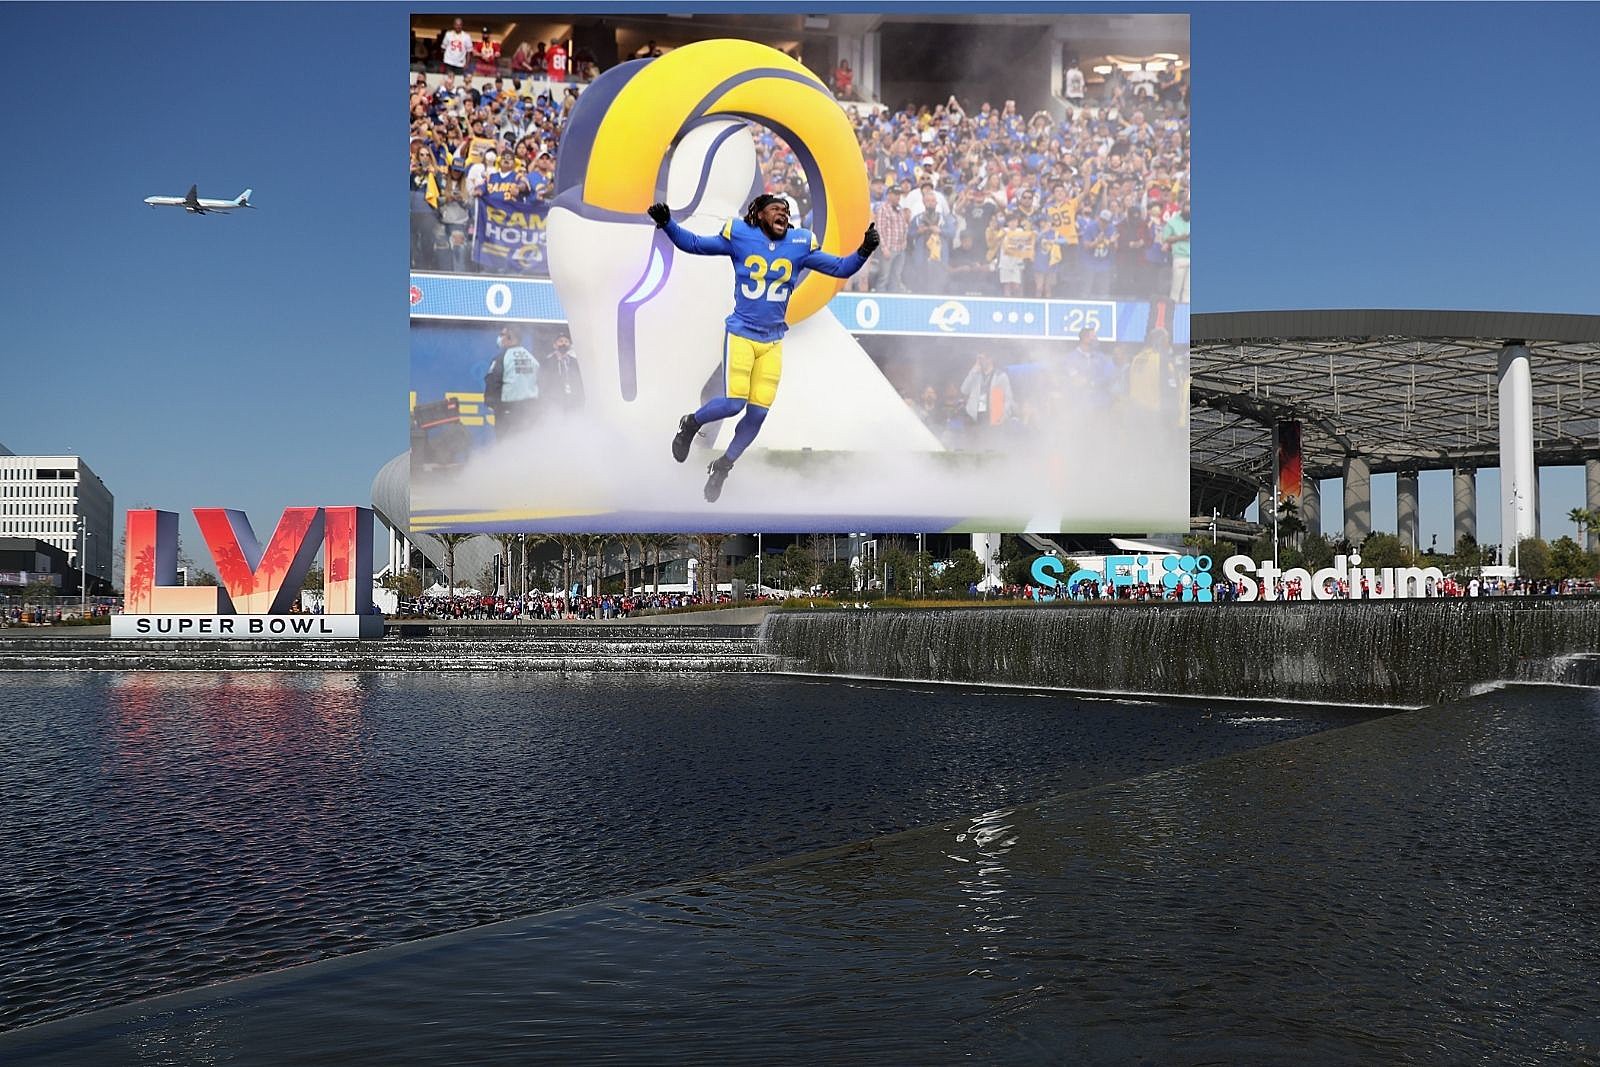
x=1419, y=889
x=165, y=830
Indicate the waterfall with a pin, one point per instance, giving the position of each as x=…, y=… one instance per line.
x=1401, y=652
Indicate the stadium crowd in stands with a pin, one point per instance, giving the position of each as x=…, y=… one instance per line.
x=969, y=200
x=990, y=202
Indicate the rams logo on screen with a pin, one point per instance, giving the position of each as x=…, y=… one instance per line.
x=949, y=315
x=631, y=118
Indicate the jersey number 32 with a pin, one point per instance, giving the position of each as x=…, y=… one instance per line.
x=776, y=288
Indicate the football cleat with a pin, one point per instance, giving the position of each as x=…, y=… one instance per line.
x=719, y=473
x=687, y=428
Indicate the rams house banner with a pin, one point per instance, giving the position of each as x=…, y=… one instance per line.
x=256, y=584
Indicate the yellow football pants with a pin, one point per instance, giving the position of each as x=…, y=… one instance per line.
x=750, y=369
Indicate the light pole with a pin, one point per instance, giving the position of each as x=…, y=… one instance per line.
x=1274, y=522
x=758, y=566
x=83, y=567
x=921, y=561
x=1515, y=555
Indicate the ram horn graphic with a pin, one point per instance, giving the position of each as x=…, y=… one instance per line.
x=671, y=129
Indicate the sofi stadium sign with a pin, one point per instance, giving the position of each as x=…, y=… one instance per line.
x=1190, y=577
x=257, y=585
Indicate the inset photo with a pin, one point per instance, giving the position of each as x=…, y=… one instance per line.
x=913, y=272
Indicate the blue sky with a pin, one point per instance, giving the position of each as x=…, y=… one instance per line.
x=1345, y=156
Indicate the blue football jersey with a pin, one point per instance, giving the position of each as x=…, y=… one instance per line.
x=764, y=271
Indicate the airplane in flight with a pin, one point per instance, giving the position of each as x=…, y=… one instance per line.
x=196, y=206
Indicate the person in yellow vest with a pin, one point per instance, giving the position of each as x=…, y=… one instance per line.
x=1062, y=215
x=1158, y=384
x=1018, y=244
x=1145, y=377
x=991, y=239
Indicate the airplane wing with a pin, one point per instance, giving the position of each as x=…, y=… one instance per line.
x=193, y=199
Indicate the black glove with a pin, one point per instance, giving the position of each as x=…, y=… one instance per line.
x=660, y=213
x=869, y=241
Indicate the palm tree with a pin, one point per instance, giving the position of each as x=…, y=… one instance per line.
x=529, y=543
x=594, y=546
x=451, y=541
x=629, y=542
x=568, y=543
x=1582, y=520
x=647, y=547
x=658, y=543
x=505, y=541
x=1289, y=522
x=641, y=542
x=710, y=556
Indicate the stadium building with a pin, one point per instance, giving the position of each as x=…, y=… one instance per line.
x=1394, y=392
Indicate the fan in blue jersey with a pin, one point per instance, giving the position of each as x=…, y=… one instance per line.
x=767, y=257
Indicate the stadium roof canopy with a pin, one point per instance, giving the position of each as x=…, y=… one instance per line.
x=1410, y=390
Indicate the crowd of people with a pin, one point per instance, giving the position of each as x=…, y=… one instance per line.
x=1094, y=205
x=494, y=138
x=15, y=614
x=549, y=607
x=460, y=51
x=979, y=201
x=20, y=611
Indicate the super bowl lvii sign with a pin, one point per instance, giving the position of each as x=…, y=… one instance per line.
x=257, y=585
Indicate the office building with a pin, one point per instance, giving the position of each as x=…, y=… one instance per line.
x=44, y=497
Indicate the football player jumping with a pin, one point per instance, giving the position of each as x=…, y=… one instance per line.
x=767, y=254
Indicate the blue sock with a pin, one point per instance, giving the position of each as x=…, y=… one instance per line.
x=720, y=408
x=746, y=431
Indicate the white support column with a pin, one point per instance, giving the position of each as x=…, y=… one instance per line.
x=1311, y=505
x=869, y=74
x=1464, y=482
x=986, y=545
x=1406, y=509
x=1058, y=73
x=1518, y=491
x=1591, y=498
x=399, y=551
x=1357, y=499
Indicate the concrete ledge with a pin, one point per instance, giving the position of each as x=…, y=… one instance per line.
x=567, y=647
